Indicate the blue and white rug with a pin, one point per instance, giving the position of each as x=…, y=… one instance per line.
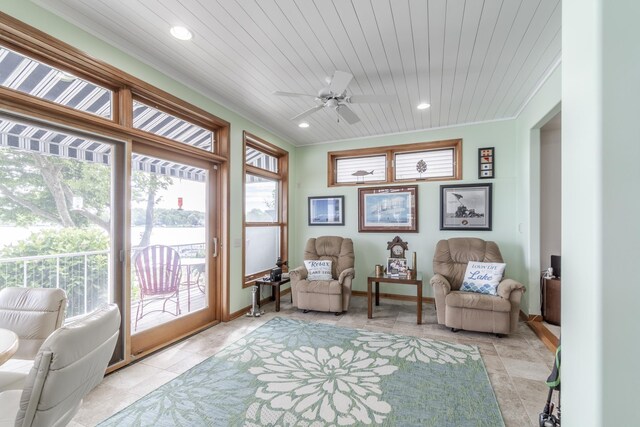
x=294, y=373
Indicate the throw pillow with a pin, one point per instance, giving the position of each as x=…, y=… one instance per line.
x=483, y=277
x=318, y=269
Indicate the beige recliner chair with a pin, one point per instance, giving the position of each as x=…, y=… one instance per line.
x=33, y=314
x=471, y=311
x=325, y=295
x=70, y=363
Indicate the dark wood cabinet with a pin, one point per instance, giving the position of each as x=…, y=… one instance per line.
x=551, y=301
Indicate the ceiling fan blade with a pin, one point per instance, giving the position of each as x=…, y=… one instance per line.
x=278, y=93
x=347, y=114
x=371, y=99
x=339, y=82
x=308, y=112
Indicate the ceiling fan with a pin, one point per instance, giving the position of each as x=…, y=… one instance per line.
x=335, y=96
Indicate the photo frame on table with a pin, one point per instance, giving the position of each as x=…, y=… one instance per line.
x=326, y=210
x=397, y=266
x=466, y=207
x=387, y=209
x=486, y=163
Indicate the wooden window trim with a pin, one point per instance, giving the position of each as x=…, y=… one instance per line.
x=29, y=41
x=282, y=176
x=390, y=151
x=34, y=43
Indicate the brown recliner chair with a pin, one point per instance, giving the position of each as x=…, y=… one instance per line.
x=325, y=295
x=471, y=311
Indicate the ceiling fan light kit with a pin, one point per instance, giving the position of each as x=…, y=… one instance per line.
x=335, y=97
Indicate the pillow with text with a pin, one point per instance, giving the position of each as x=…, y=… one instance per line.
x=318, y=269
x=483, y=277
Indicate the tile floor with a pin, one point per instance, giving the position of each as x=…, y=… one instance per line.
x=517, y=365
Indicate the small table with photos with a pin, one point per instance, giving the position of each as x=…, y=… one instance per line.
x=415, y=280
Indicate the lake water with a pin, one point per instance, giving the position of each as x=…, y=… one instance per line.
x=161, y=235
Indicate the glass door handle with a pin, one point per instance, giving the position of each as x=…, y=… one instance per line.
x=215, y=247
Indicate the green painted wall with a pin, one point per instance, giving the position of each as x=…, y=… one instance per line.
x=600, y=205
x=53, y=25
x=370, y=248
x=541, y=107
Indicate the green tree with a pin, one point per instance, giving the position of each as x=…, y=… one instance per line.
x=38, y=188
x=145, y=188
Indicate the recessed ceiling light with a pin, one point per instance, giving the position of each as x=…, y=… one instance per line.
x=181, y=33
x=423, y=106
x=303, y=125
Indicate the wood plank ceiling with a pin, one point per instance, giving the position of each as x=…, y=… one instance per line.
x=472, y=60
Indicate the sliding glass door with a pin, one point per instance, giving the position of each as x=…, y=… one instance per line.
x=171, y=253
x=61, y=222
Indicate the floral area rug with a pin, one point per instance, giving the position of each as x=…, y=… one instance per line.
x=294, y=373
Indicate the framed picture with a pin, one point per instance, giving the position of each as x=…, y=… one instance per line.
x=397, y=266
x=386, y=209
x=486, y=163
x=465, y=207
x=326, y=210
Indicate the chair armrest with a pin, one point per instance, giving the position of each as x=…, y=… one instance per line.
x=297, y=274
x=441, y=288
x=348, y=272
x=440, y=283
x=509, y=285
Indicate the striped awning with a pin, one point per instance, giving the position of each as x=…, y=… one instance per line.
x=31, y=138
x=35, y=78
x=38, y=79
x=27, y=75
x=261, y=160
x=158, y=122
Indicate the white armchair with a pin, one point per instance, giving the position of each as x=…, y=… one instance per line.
x=33, y=314
x=70, y=363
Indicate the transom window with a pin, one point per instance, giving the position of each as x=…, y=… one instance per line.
x=361, y=169
x=427, y=161
x=152, y=120
x=424, y=164
x=24, y=74
x=260, y=159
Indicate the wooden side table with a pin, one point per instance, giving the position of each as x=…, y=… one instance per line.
x=275, y=295
x=373, y=279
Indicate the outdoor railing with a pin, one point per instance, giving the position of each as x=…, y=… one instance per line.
x=84, y=276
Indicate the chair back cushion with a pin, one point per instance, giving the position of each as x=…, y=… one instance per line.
x=158, y=270
x=70, y=363
x=33, y=314
x=336, y=249
x=452, y=255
